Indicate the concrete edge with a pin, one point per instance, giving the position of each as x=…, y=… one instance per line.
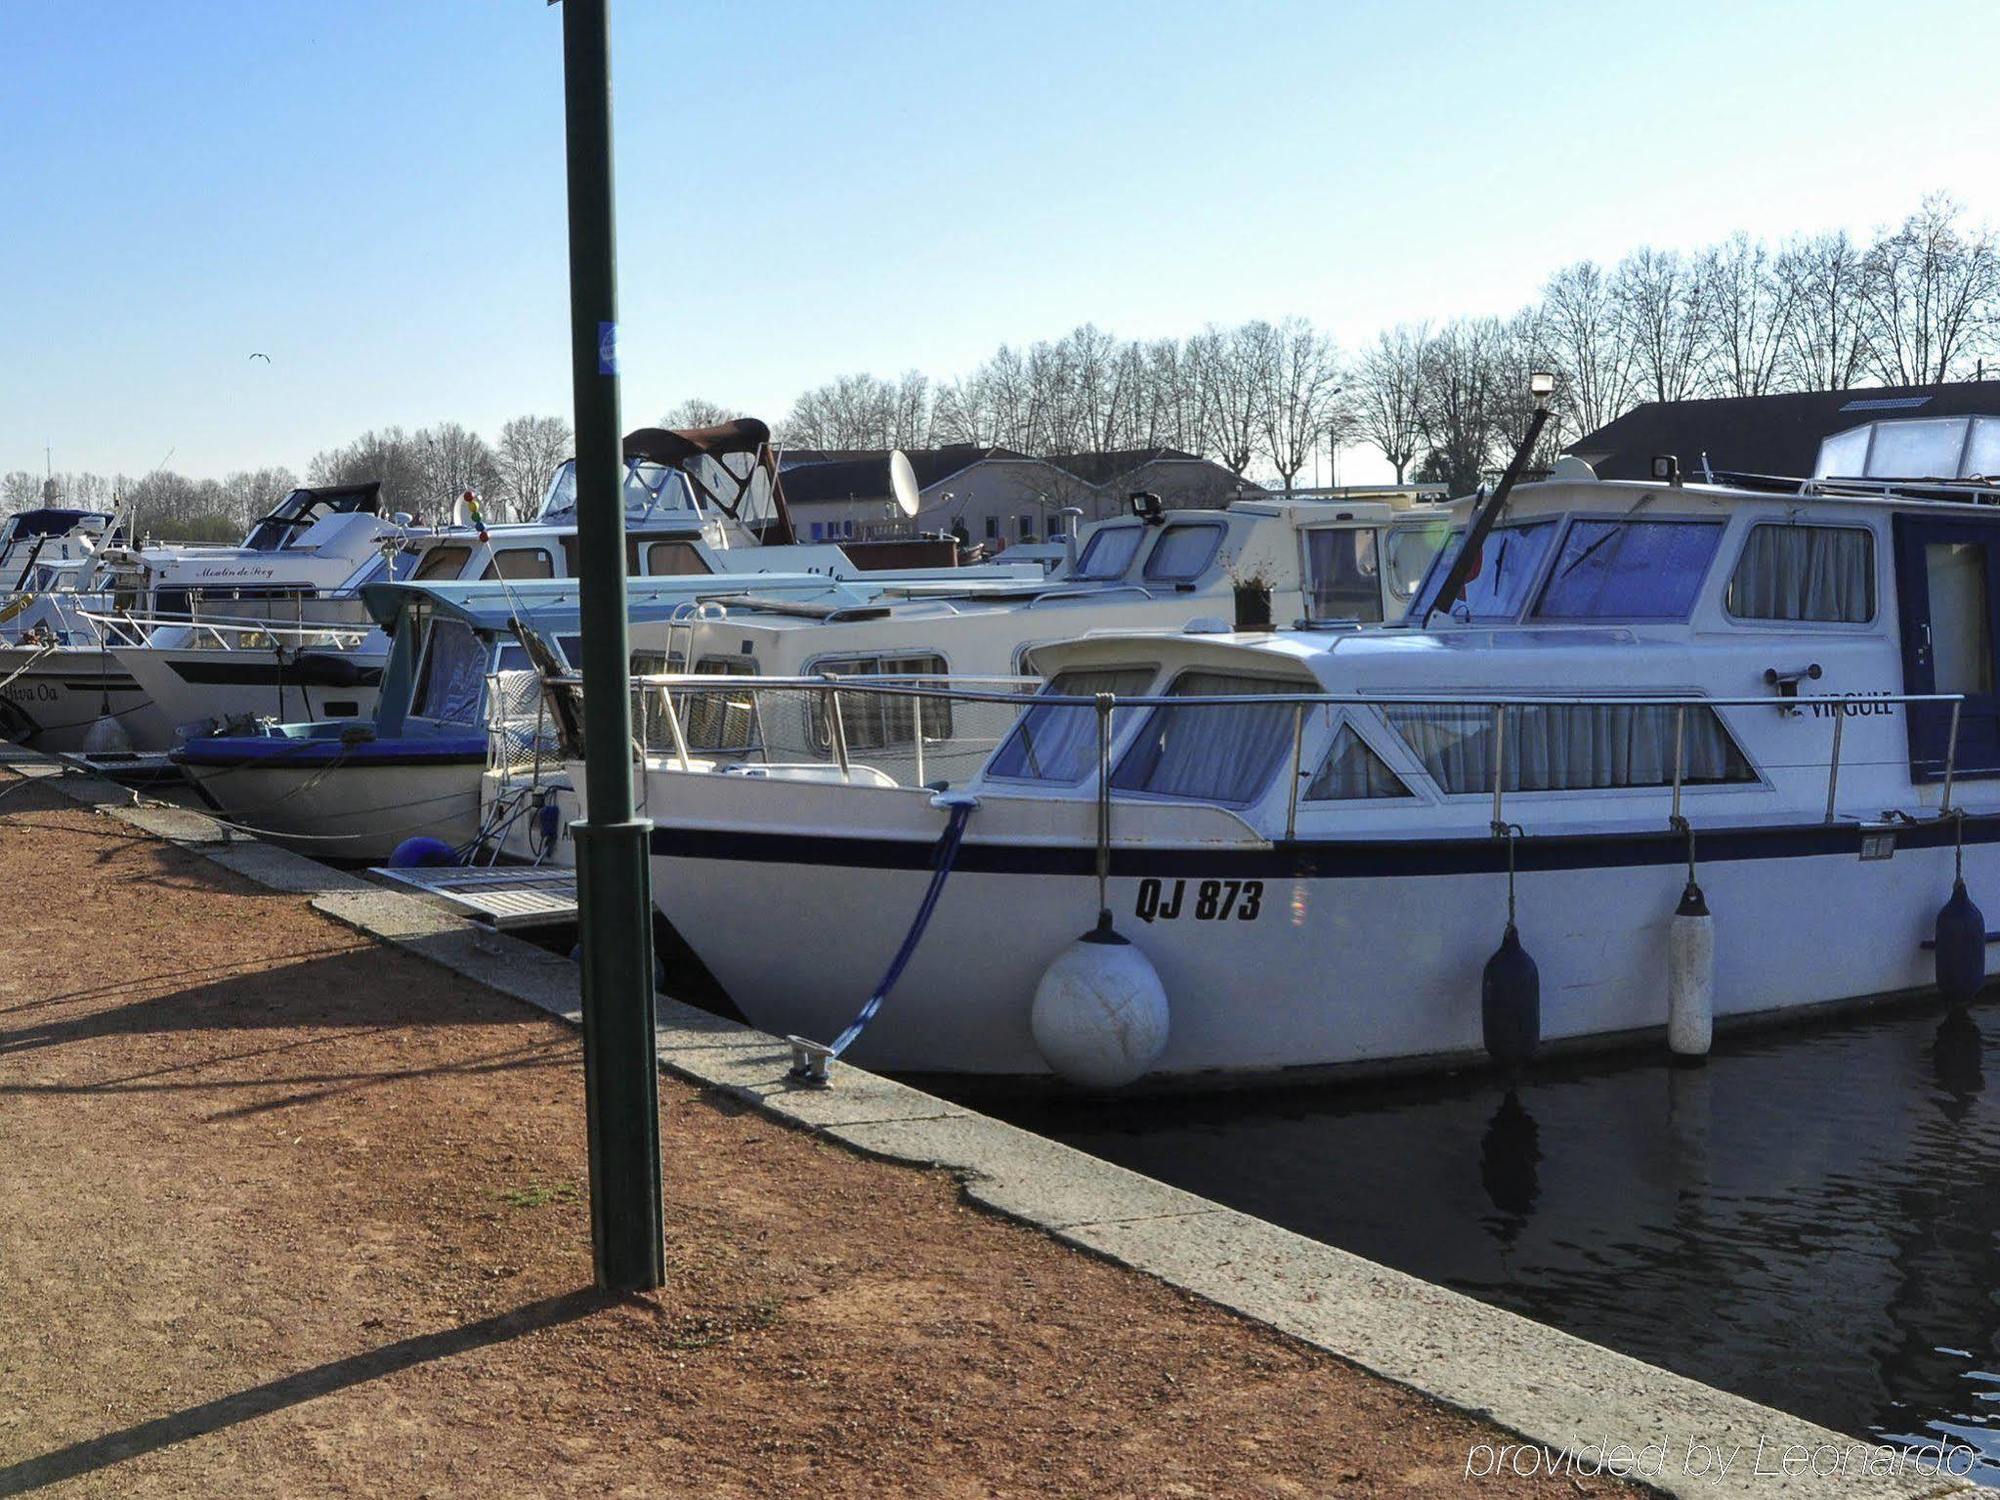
x=1563, y=1393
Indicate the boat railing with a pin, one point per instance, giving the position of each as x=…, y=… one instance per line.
x=229, y=634
x=836, y=720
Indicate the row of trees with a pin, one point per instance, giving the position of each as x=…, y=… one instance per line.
x=1919, y=302
x=1916, y=303
x=422, y=472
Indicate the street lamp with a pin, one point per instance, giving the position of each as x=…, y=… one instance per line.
x=614, y=878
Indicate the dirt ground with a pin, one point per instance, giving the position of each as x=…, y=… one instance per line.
x=286, y=1213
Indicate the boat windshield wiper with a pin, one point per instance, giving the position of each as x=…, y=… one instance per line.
x=1584, y=556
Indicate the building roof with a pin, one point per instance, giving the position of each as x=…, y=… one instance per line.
x=864, y=474
x=1102, y=468
x=1765, y=434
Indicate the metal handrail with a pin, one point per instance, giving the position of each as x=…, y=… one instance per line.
x=219, y=624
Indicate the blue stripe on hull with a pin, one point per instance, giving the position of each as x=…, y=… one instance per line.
x=1324, y=858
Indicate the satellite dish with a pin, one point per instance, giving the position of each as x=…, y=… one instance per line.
x=903, y=483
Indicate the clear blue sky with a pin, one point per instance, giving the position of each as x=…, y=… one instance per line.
x=371, y=192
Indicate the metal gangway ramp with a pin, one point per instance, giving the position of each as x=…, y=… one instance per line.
x=500, y=896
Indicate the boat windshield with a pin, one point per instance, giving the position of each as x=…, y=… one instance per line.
x=1226, y=753
x=1058, y=742
x=1498, y=587
x=1629, y=570
x=649, y=490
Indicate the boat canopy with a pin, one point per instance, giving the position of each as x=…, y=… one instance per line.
x=305, y=506
x=50, y=521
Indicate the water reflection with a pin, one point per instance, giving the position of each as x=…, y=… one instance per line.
x=1811, y=1219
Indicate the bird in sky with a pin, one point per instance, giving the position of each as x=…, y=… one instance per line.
x=265, y=357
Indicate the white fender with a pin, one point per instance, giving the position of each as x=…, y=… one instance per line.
x=1691, y=977
x=1100, y=1013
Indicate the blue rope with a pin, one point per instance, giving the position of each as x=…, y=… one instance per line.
x=942, y=860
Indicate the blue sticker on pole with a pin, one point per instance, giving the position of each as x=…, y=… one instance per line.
x=607, y=348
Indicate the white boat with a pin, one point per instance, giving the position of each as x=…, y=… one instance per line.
x=65, y=688
x=697, y=503
x=1308, y=834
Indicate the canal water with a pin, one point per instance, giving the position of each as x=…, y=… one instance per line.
x=1810, y=1219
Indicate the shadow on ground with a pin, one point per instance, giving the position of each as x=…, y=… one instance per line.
x=261, y=1400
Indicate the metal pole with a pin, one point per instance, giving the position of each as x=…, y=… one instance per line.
x=1298, y=746
x=1499, y=761
x=1680, y=755
x=837, y=727
x=1950, y=756
x=1833, y=764
x=614, y=880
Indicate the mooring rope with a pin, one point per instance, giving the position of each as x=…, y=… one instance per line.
x=942, y=859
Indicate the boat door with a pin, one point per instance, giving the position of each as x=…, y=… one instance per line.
x=1948, y=589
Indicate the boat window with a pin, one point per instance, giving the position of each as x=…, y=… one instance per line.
x=520, y=562
x=1184, y=551
x=1804, y=573
x=1565, y=747
x=675, y=560
x=1110, y=551
x=1210, y=754
x=721, y=722
x=1058, y=742
x=1343, y=581
x=571, y=647
x=454, y=672
x=442, y=562
x=878, y=721
x=1352, y=772
x=1498, y=586
x=1408, y=551
x=1629, y=570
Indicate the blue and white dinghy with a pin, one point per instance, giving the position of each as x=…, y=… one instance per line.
x=1653, y=750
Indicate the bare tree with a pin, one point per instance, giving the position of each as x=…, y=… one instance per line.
x=1298, y=395
x=1232, y=378
x=1665, y=318
x=20, y=490
x=910, y=412
x=1389, y=395
x=249, y=494
x=387, y=454
x=697, y=411
x=1751, y=309
x=1459, y=414
x=529, y=451
x=451, y=459
x=1588, y=349
x=1930, y=290
x=1827, y=336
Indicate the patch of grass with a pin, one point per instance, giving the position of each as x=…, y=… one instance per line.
x=537, y=1195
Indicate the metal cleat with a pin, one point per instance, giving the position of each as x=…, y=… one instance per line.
x=809, y=1060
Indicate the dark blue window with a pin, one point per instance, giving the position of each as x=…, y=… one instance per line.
x=1629, y=570
x=1499, y=586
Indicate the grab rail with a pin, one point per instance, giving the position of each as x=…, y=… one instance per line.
x=918, y=686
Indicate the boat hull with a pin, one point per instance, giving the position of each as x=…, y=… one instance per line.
x=54, y=699
x=195, y=689
x=351, y=808
x=1278, y=960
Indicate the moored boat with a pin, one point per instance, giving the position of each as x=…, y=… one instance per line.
x=1316, y=839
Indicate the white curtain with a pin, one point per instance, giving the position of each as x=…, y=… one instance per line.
x=1565, y=747
x=454, y=675
x=1352, y=772
x=1805, y=573
x=1054, y=743
x=1221, y=754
